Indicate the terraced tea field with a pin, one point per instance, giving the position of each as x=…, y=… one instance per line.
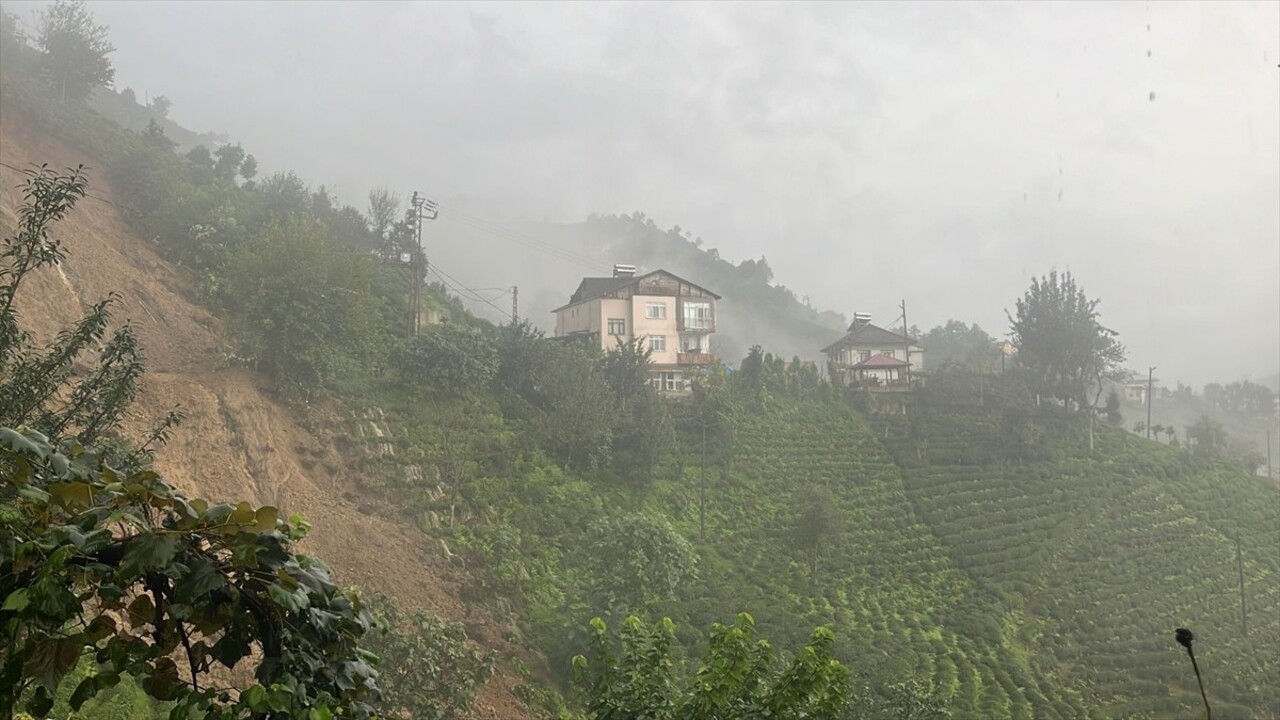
x=899, y=601
x=1098, y=555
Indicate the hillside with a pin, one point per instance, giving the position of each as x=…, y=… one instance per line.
x=547, y=260
x=994, y=554
x=1097, y=556
x=238, y=441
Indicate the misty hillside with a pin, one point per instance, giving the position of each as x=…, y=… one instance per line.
x=510, y=525
x=547, y=260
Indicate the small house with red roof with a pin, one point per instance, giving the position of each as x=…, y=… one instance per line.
x=871, y=355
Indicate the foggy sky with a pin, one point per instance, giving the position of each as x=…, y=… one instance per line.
x=943, y=153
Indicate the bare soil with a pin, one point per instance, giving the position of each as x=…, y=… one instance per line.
x=238, y=442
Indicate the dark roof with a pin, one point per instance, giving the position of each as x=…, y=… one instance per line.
x=869, y=334
x=880, y=360
x=594, y=287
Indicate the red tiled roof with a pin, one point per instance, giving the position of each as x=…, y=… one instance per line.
x=880, y=361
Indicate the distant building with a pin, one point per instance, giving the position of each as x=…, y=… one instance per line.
x=673, y=317
x=868, y=354
x=1134, y=388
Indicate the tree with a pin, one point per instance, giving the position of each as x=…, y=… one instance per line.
x=161, y=105
x=302, y=311
x=453, y=359
x=105, y=565
x=430, y=669
x=1207, y=434
x=909, y=699
x=201, y=164
x=739, y=677
x=817, y=517
x=384, y=210
x=1112, y=409
x=249, y=168
x=43, y=388
x=960, y=345
x=1060, y=342
x=121, y=567
x=74, y=48
x=560, y=389
x=636, y=560
x=643, y=427
x=229, y=159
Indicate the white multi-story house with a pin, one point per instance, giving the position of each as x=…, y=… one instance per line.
x=672, y=317
x=872, y=355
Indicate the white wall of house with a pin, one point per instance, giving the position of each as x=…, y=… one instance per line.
x=578, y=318
x=664, y=327
x=614, y=309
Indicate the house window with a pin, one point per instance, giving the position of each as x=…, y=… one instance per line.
x=888, y=353
x=697, y=315
x=670, y=381
x=657, y=343
x=655, y=311
x=864, y=355
x=617, y=326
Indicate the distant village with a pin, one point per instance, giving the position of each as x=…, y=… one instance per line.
x=674, y=319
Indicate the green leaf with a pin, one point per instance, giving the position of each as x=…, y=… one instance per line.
x=319, y=713
x=148, y=552
x=202, y=579
x=243, y=514
x=265, y=519
x=141, y=611
x=101, y=627
x=85, y=690
x=255, y=697
x=23, y=444
x=34, y=495
x=16, y=601
x=73, y=496
x=289, y=600
x=163, y=683
x=52, y=657
x=280, y=699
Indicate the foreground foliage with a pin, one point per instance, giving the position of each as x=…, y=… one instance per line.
x=108, y=564
x=739, y=678
x=430, y=669
x=125, y=569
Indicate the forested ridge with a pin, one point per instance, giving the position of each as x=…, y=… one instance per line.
x=972, y=551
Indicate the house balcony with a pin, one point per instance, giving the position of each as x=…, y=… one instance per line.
x=701, y=327
x=695, y=358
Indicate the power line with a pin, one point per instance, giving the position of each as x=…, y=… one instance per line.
x=458, y=287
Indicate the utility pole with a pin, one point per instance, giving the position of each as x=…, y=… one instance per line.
x=515, y=304
x=1244, y=629
x=1268, y=450
x=1150, y=371
x=702, y=490
x=420, y=209
x=906, y=342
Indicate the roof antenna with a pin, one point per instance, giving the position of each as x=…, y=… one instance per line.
x=1184, y=638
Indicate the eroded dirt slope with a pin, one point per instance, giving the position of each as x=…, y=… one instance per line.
x=238, y=441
